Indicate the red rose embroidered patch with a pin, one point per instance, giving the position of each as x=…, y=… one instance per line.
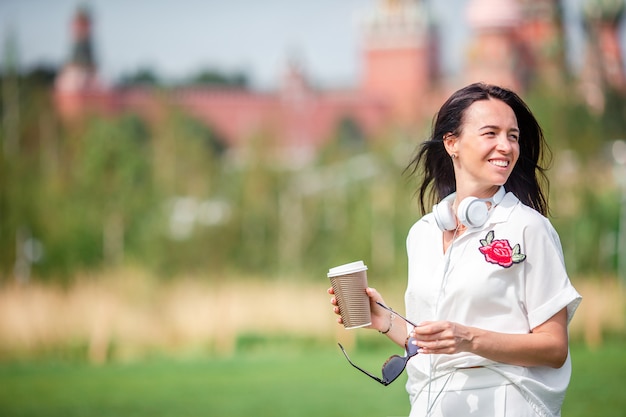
x=499, y=251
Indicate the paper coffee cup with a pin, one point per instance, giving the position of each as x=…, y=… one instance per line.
x=349, y=282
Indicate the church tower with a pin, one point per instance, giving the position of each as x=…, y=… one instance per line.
x=77, y=85
x=400, y=58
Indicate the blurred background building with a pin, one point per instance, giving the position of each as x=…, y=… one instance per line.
x=515, y=43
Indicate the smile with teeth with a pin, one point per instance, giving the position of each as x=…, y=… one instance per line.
x=499, y=163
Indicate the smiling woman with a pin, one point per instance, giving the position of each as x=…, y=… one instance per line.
x=487, y=283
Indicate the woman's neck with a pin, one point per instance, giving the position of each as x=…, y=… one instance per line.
x=464, y=192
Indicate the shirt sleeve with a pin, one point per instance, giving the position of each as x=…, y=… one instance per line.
x=548, y=288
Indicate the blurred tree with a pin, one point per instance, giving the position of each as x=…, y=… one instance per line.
x=191, y=180
x=614, y=117
x=107, y=199
x=42, y=75
x=142, y=77
x=24, y=107
x=210, y=77
x=350, y=135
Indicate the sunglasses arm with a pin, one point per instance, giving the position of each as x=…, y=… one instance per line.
x=399, y=315
x=361, y=369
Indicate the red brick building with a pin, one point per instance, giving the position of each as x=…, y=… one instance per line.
x=399, y=59
x=513, y=42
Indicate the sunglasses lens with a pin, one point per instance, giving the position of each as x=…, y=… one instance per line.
x=411, y=349
x=394, y=367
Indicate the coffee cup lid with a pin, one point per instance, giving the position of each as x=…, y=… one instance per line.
x=347, y=268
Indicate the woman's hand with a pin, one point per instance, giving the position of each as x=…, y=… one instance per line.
x=442, y=337
x=544, y=345
x=380, y=317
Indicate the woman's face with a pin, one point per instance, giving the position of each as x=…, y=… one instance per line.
x=488, y=146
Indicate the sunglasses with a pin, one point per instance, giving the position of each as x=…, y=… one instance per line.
x=394, y=366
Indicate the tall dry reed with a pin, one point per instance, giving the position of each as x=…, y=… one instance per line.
x=126, y=314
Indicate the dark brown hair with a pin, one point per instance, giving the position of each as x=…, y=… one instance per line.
x=434, y=166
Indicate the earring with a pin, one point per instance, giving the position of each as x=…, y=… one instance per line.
x=453, y=155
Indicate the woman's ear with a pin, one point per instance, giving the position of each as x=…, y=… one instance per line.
x=450, y=143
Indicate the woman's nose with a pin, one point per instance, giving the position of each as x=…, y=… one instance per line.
x=504, y=143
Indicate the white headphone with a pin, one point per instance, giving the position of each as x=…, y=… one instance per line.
x=472, y=211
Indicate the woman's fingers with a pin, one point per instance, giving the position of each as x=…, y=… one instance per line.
x=374, y=297
x=333, y=300
x=436, y=337
x=373, y=294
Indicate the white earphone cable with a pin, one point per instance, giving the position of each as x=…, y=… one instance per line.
x=444, y=279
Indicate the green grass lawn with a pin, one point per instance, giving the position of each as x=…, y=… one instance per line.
x=598, y=382
x=261, y=383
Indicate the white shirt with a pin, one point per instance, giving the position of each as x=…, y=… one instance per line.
x=467, y=285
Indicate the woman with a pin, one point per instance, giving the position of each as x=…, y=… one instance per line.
x=487, y=284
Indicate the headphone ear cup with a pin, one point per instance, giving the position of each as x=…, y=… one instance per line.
x=443, y=215
x=473, y=212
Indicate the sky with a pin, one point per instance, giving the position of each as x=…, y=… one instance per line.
x=177, y=38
